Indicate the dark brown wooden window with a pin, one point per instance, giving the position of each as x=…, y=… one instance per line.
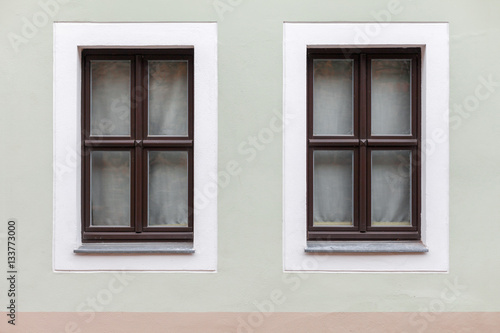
x=137, y=140
x=363, y=144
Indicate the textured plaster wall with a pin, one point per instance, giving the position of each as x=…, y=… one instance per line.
x=250, y=206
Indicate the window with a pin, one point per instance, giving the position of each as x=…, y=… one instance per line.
x=363, y=141
x=137, y=129
x=340, y=245
x=160, y=246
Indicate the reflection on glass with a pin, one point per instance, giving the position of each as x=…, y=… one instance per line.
x=391, y=97
x=168, y=188
x=110, y=98
x=333, y=97
x=333, y=188
x=391, y=188
x=110, y=188
x=168, y=98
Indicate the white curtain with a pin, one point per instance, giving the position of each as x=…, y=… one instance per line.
x=110, y=188
x=390, y=170
x=333, y=187
x=391, y=187
x=168, y=98
x=168, y=188
x=333, y=97
x=110, y=96
x=391, y=97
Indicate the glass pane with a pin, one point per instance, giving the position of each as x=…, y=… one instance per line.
x=110, y=188
x=333, y=188
x=110, y=98
x=391, y=188
x=333, y=97
x=168, y=188
x=391, y=97
x=168, y=98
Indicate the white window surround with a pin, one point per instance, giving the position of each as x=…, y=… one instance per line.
x=69, y=40
x=433, y=39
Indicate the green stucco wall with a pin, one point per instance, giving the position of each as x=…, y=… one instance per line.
x=250, y=34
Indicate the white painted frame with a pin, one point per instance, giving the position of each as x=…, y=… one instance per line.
x=69, y=40
x=433, y=39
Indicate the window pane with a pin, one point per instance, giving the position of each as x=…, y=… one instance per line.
x=391, y=97
x=333, y=97
x=168, y=98
x=333, y=188
x=110, y=98
x=391, y=188
x=168, y=188
x=110, y=188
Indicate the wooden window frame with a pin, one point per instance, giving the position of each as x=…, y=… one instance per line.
x=139, y=143
x=362, y=142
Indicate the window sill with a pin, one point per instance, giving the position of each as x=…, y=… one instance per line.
x=366, y=247
x=135, y=248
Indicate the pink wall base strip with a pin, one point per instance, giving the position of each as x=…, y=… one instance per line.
x=251, y=322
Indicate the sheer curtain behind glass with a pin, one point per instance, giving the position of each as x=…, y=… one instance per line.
x=390, y=97
x=391, y=169
x=168, y=188
x=391, y=187
x=110, y=188
x=333, y=115
x=168, y=98
x=333, y=97
x=110, y=98
x=333, y=188
x=110, y=116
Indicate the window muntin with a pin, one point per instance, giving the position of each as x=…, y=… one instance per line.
x=135, y=89
x=385, y=193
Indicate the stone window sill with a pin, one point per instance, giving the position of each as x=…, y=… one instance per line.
x=135, y=248
x=366, y=247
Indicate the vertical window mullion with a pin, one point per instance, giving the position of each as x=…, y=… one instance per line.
x=363, y=160
x=138, y=95
x=357, y=135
